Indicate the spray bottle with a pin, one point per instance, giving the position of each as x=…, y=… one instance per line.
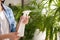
x=22, y=25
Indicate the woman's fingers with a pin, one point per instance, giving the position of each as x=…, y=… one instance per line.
x=24, y=19
x=13, y=35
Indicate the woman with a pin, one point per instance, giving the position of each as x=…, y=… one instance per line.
x=8, y=28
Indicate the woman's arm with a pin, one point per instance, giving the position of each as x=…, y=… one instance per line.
x=4, y=36
x=11, y=36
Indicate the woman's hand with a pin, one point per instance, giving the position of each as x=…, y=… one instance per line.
x=13, y=36
x=24, y=20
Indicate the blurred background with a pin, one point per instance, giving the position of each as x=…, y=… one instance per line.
x=44, y=23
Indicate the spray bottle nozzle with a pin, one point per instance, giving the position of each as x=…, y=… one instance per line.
x=27, y=12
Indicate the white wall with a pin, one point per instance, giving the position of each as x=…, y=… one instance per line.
x=14, y=2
